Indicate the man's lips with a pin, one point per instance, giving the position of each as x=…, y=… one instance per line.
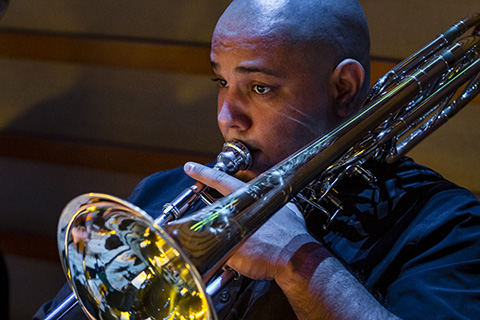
x=250, y=145
x=254, y=152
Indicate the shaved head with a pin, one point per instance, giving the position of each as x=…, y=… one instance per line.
x=333, y=30
x=288, y=72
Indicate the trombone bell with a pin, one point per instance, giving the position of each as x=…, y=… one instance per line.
x=123, y=266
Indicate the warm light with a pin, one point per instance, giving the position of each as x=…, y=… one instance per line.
x=124, y=315
x=145, y=243
x=139, y=280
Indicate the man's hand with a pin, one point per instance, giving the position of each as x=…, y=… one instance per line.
x=218, y=180
x=270, y=248
x=316, y=284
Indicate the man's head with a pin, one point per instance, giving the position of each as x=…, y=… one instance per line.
x=288, y=72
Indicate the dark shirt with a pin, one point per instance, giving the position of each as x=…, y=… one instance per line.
x=413, y=241
x=411, y=237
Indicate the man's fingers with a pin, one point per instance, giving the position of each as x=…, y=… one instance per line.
x=216, y=179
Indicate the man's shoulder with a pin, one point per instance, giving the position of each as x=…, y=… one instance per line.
x=172, y=176
x=159, y=188
x=408, y=173
x=426, y=182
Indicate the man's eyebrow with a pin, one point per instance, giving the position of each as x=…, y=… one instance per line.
x=246, y=70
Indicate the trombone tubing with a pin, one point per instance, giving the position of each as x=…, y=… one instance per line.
x=244, y=211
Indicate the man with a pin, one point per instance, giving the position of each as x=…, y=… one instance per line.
x=405, y=246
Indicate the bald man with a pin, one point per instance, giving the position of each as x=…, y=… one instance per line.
x=405, y=246
x=288, y=72
x=295, y=65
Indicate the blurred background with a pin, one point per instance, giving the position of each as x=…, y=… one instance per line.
x=96, y=95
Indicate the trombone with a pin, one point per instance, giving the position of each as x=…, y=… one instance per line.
x=122, y=265
x=234, y=157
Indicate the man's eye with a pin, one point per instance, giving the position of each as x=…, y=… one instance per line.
x=261, y=89
x=221, y=83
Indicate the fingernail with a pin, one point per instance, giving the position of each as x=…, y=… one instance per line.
x=188, y=167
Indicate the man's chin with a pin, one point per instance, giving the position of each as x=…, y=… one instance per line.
x=249, y=174
x=245, y=176
x=258, y=167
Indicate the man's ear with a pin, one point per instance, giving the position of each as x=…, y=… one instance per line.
x=346, y=81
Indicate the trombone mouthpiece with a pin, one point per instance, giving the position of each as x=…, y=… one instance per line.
x=233, y=158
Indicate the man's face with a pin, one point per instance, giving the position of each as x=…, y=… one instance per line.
x=273, y=99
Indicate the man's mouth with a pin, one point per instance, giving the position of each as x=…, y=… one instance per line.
x=250, y=146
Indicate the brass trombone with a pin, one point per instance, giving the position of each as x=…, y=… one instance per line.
x=234, y=157
x=121, y=265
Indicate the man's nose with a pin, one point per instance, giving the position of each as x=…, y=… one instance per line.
x=233, y=114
